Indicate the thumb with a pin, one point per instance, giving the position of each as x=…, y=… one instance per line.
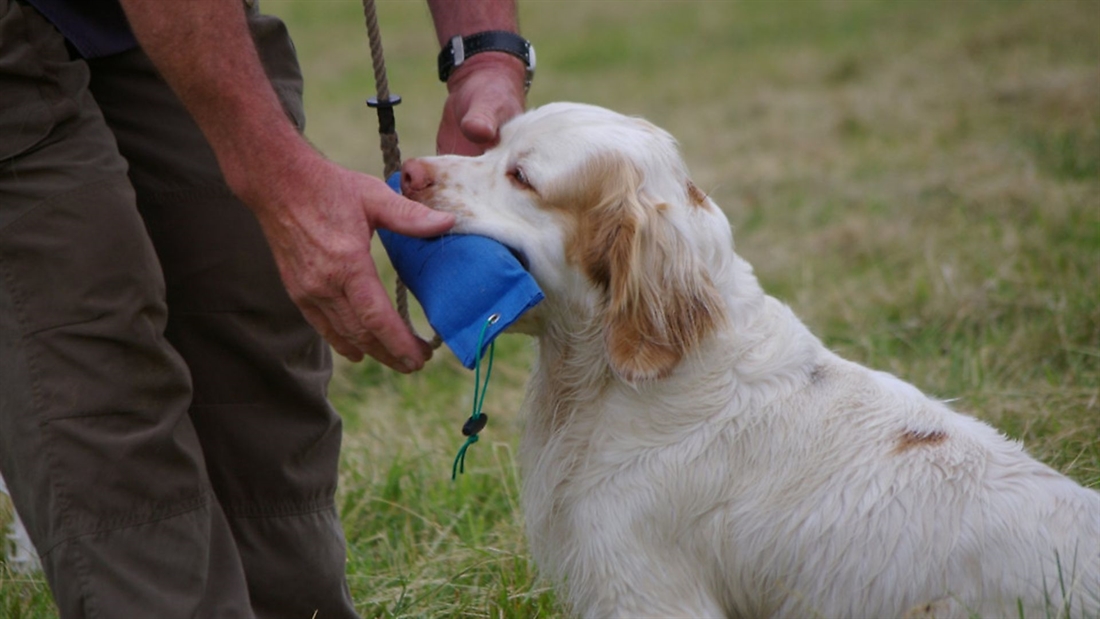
x=405, y=216
x=479, y=126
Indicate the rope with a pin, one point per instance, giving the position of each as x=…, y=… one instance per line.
x=478, y=419
x=391, y=159
x=387, y=129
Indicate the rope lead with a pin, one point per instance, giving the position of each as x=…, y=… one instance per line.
x=391, y=156
x=387, y=130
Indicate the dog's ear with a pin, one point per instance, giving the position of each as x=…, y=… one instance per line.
x=660, y=300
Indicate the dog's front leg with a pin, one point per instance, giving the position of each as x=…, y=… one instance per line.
x=641, y=599
x=631, y=577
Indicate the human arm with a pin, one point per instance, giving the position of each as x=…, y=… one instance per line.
x=488, y=89
x=318, y=217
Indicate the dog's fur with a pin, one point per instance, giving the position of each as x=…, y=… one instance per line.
x=691, y=449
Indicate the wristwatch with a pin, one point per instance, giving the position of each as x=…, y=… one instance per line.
x=459, y=48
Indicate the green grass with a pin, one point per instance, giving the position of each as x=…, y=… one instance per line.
x=920, y=180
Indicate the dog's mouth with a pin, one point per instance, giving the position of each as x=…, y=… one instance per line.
x=520, y=256
x=462, y=228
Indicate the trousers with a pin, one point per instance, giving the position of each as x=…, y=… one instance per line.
x=164, y=426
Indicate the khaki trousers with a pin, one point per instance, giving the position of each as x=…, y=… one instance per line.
x=164, y=428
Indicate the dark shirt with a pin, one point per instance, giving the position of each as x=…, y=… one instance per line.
x=94, y=27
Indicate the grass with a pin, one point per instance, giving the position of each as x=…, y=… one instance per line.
x=919, y=180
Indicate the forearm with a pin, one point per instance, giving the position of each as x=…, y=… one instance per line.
x=221, y=81
x=465, y=17
x=318, y=217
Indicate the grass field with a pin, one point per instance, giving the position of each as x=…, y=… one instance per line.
x=919, y=180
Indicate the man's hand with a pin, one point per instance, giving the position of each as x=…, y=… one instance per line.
x=485, y=92
x=487, y=89
x=319, y=220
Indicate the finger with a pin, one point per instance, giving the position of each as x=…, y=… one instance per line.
x=426, y=348
x=486, y=113
x=360, y=338
x=376, y=318
x=480, y=125
x=405, y=216
x=375, y=350
x=339, y=324
x=488, y=110
x=323, y=326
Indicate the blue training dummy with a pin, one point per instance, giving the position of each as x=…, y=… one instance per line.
x=461, y=280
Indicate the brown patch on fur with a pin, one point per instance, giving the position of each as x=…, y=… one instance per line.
x=582, y=190
x=460, y=210
x=817, y=374
x=911, y=439
x=944, y=607
x=696, y=195
x=645, y=344
x=660, y=302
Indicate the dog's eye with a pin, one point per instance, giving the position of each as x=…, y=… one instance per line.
x=519, y=177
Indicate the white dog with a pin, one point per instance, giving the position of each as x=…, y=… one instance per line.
x=692, y=450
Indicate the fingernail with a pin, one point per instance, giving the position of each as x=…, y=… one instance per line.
x=409, y=365
x=441, y=217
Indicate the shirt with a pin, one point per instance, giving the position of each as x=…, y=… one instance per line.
x=95, y=27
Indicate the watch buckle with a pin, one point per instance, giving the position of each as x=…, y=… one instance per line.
x=458, y=50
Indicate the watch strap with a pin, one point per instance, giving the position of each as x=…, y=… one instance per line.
x=459, y=48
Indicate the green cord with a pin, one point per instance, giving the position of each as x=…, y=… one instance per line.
x=459, y=465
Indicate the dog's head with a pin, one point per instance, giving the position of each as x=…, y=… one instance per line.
x=601, y=208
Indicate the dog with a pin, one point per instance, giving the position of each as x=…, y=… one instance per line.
x=690, y=449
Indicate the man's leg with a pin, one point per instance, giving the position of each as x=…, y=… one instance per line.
x=95, y=441
x=260, y=372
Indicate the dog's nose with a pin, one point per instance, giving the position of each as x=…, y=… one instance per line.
x=415, y=177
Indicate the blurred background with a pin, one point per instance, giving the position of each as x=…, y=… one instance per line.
x=918, y=179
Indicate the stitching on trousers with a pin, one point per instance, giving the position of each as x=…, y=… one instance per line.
x=196, y=503
x=285, y=510
x=55, y=479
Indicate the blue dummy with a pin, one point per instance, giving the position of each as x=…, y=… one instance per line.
x=461, y=280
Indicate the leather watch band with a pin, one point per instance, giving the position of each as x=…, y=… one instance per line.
x=459, y=48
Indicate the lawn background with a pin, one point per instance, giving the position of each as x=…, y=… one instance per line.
x=920, y=180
